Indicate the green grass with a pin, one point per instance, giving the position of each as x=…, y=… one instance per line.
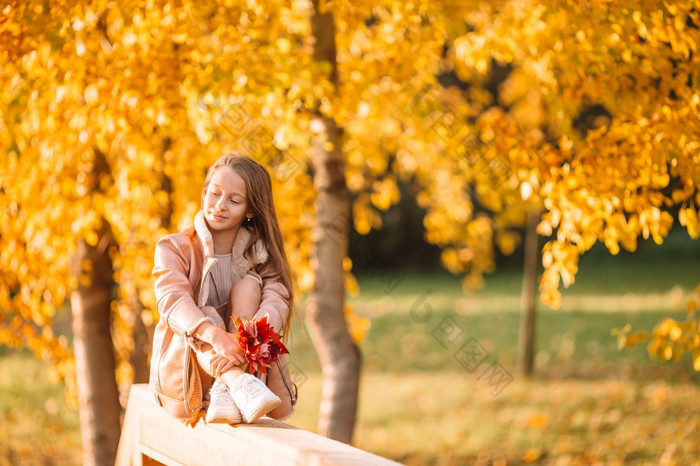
x=421, y=404
x=420, y=320
x=36, y=425
x=568, y=344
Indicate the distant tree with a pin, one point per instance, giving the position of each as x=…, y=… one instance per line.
x=597, y=121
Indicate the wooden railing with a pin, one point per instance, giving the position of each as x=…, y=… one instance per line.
x=151, y=437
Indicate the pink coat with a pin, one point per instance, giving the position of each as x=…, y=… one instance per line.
x=182, y=266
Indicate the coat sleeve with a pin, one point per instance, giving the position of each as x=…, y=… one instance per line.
x=173, y=290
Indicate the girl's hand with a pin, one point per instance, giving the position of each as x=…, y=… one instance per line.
x=220, y=365
x=226, y=345
x=223, y=343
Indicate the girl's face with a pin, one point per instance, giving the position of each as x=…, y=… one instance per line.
x=226, y=201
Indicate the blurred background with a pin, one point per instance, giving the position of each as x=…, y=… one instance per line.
x=496, y=202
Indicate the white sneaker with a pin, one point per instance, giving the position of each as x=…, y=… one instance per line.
x=222, y=409
x=253, y=397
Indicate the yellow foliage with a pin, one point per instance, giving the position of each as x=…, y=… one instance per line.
x=669, y=339
x=357, y=325
x=113, y=111
x=688, y=217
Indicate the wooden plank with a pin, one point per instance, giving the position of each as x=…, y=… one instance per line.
x=151, y=433
x=128, y=452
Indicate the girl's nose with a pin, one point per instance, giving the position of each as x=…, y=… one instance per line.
x=221, y=203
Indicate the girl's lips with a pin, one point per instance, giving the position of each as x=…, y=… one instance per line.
x=218, y=217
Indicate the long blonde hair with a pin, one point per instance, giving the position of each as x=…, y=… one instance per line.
x=264, y=224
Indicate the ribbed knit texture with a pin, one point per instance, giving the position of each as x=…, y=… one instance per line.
x=221, y=282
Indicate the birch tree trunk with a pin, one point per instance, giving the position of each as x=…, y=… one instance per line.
x=340, y=357
x=98, y=396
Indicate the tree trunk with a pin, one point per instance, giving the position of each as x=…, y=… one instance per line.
x=528, y=294
x=141, y=353
x=340, y=357
x=98, y=397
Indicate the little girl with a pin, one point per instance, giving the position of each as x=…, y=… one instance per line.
x=232, y=262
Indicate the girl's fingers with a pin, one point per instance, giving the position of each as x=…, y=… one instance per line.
x=220, y=365
x=227, y=367
x=237, y=359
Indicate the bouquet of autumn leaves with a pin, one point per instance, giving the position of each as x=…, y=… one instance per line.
x=262, y=345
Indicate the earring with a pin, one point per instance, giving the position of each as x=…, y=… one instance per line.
x=249, y=220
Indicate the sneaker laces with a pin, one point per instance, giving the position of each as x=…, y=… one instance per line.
x=252, y=386
x=219, y=394
x=218, y=388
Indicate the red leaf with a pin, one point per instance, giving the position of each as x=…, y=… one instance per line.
x=262, y=345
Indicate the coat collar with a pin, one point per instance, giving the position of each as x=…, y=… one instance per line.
x=239, y=244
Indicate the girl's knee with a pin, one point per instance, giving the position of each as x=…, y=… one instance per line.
x=248, y=288
x=245, y=297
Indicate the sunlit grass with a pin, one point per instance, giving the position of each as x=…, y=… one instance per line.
x=36, y=425
x=452, y=418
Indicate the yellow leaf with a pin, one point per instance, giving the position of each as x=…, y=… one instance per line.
x=91, y=238
x=667, y=352
x=532, y=454
x=357, y=326
x=635, y=338
x=544, y=228
x=551, y=298
x=618, y=331
x=507, y=242
x=621, y=342
x=675, y=331
x=692, y=306
x=538, y=420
